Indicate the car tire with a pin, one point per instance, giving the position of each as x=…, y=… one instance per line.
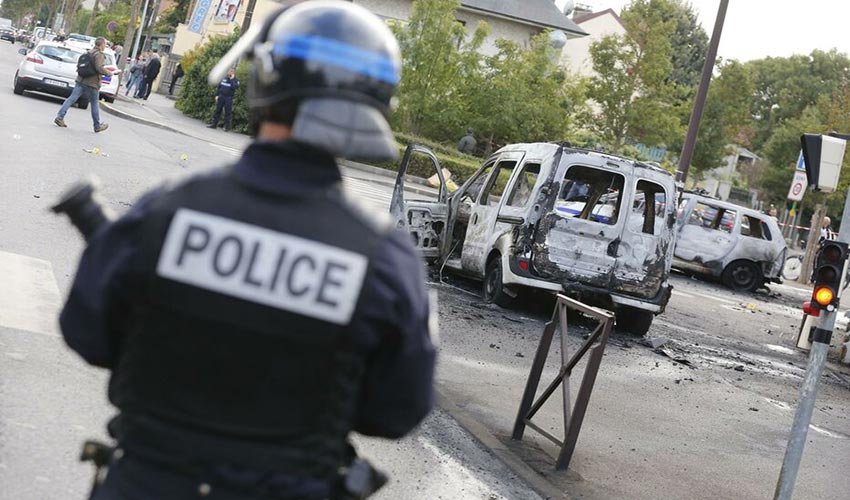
x=110, y=100
x=82, y=104
x=742, y=276
x=634, y=321
x=494, y=287
x=18, y=88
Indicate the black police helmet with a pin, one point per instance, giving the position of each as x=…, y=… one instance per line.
x=334, y=62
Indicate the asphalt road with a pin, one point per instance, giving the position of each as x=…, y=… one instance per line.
x=50, y=401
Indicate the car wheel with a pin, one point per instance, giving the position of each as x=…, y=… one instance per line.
x=82, y=104
x=633, y=321
x=494, y=287
x=110, y=100
x=18, y=88
x=792, y=268
x=742, y=276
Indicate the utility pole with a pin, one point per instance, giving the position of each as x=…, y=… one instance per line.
x=94, y=11
x=826, y=153
x=136, y=48
x=131, y=31
x=249, y=14
x=702, y=93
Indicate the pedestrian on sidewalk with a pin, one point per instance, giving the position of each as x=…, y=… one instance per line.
x=247, y=341
x=89, y=72
x=150, y=74
x=224, y=99
x=178, y=74
x=135, y=75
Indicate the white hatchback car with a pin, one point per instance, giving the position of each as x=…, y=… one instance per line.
x=51, y=67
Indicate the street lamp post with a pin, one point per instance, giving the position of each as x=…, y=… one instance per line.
x=702, y=93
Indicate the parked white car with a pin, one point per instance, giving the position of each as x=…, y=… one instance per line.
x=50, y=68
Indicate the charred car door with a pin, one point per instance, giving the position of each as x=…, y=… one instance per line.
x=578, y=239
x=423, y=212
x=644, y=254
x=485, y=210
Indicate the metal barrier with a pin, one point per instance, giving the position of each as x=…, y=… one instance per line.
x=573, y=418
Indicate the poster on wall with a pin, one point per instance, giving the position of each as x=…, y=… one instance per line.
x=227, y=9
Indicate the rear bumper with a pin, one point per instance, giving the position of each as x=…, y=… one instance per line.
x=596, y=296
x=39, y=85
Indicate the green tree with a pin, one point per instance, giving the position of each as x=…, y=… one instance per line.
x=689, y=45
x=727, y=116
x=523, y=95
x=632, y=88
x=785, y=86
x=169, y=18
x=436, y=61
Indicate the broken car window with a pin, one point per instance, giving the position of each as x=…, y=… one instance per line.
x=524, y=185
x=755, y=228
x=493, y=193
x=474, y=188
x=710, y=217
x=648, y=217
x=590, y=194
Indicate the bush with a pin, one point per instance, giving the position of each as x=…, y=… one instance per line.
x=197, y=98
x=461, y=166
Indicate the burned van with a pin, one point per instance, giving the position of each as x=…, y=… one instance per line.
x=547, y=216
x=741, y=247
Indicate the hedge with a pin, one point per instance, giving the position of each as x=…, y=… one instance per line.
x=461, y=166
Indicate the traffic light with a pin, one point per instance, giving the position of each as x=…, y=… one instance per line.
x=830, y=263
x=823, y=155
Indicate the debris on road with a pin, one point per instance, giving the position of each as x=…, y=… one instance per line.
x=655, y=342
x=674, y=357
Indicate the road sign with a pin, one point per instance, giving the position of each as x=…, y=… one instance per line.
x=798, y=186
x=801, y=163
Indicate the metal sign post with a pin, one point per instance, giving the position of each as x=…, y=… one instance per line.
x=821, y=338
x=594, y=346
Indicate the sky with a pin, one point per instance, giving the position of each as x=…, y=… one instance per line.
x=762, y=28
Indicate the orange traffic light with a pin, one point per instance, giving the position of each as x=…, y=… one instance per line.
x=824, y=296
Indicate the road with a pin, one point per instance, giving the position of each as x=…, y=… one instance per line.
x=50, y=401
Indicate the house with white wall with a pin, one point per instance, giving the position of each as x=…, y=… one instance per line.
x=513, y=20
x=576, y=54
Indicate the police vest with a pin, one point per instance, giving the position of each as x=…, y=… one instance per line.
x=238, y=350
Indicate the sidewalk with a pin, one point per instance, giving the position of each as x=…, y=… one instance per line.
x=159, y=111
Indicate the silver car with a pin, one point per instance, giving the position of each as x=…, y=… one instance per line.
x=51, y=68
x=742, y=247
x=552, y=217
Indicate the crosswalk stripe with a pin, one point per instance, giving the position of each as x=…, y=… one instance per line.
x=29, y=297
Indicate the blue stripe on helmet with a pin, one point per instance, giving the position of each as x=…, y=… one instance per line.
x=336, y=53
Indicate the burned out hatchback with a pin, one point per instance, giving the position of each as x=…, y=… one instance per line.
x=548, y=216
x=741, y=247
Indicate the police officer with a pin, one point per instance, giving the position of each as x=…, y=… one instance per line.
x=224, y=99
x=251, y=316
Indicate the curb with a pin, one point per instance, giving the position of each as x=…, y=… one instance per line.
x=491, y=443
x=111, y=109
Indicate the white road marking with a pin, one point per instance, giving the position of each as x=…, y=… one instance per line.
x=712, y=297
x=779, y=348
x=228, y=150
x=456, y=473
x=29, y=295
x=827, y=433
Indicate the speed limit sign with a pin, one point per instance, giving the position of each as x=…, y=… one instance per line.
x=798, y=186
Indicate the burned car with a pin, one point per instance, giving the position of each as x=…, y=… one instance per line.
x=741, y=247
x=548, y=216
